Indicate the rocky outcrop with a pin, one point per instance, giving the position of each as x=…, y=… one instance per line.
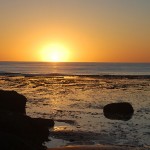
x=20, y=131
x=118, y=111
x=12, y=142
x=12, y=101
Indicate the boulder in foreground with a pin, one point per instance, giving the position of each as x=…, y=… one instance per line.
x=118, y=111
x=12, y=101
x=31, y=131
x=17, y=130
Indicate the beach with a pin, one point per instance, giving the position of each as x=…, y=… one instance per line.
x=75, y=75
x=76, y=105
x=98, y=147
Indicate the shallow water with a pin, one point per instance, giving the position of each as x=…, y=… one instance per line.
x=76, y=103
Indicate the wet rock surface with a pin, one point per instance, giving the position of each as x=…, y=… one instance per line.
x=82, y=99
x=19, y=131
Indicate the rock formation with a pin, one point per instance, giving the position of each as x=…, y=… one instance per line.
x=118, y=111
x=19, y=131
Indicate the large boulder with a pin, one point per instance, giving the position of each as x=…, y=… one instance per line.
x=33, y=131
x=12, y=142
x=24, y=131
x=118, y=111
x=12, y=101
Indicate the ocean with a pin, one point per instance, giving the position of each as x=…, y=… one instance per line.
x=71, y=68
x=74, y=95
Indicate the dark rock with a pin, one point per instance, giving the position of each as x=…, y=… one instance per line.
x=33, y=131
x=40, y=122
x=12, y=142
x=17, y=130
x=118, y=111
x=12, y=101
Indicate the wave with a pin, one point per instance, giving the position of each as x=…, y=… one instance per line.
x=29, y=74
x=110, y=76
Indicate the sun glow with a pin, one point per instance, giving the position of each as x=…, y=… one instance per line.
x=55, y=53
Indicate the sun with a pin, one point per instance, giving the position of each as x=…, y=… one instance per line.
x=55, y=56
x=55, y=53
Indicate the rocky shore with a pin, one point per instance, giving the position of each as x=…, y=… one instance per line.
x=98, y=147
x=19, y=131
x=79, y=99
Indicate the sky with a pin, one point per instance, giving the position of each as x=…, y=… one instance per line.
x=75, y=30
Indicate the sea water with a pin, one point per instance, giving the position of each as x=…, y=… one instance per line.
x=75, y=68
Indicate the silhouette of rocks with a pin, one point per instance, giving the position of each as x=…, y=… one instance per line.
x=118, y=111
x=12, y=142
x=12, y=101
x=26, y=133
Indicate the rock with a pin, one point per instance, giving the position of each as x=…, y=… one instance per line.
x=17, y=130
x=118, y=111
x=12, y=142
x=12, y=101
x=40, y=122
x=33, y=131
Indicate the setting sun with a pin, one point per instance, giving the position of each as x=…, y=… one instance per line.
x=55, y=53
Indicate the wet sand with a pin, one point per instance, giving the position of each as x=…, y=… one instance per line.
x=99, y=147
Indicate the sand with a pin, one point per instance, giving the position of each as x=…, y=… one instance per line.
x=99, y=147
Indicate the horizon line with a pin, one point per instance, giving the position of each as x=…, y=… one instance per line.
x=69, y=62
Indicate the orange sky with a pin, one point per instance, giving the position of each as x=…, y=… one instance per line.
x=91, y=30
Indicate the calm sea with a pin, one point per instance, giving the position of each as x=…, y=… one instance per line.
x=71, y=68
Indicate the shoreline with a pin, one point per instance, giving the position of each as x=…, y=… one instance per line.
x=77, y=102
x=104, y=76
x=99, y=147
